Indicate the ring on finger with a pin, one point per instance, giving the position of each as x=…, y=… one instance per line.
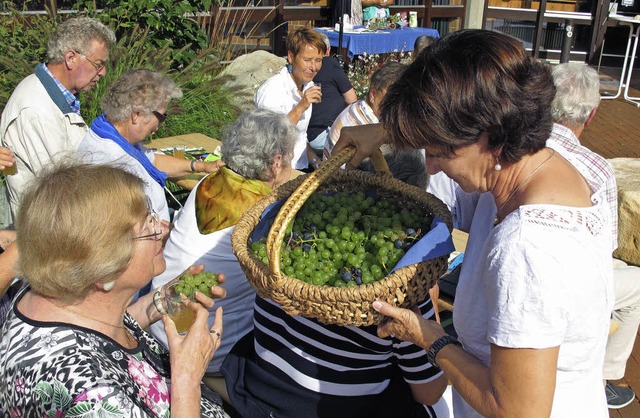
x=216, y=333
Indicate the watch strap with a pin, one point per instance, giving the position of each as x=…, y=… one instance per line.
x=438, y=345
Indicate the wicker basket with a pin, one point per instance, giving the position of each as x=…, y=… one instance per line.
x=404, y=287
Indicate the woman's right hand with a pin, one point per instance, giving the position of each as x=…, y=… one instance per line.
x=365, y=138
x=190, y=354
x=407, y=325
x=312, y=95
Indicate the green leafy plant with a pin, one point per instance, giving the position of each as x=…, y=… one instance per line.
x=22, y=44
x=168, y=23
x=390, y=22
x=360, y=70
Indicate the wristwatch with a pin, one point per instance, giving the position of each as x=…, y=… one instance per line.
x=438, y=345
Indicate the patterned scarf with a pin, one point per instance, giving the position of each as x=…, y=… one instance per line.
x=223, y=197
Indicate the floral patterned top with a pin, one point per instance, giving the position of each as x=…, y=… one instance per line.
x=54, y=369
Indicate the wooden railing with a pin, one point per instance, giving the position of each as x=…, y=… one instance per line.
x=280, y=16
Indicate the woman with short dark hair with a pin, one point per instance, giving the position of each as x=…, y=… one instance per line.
x=292, y=91
x=534, y=296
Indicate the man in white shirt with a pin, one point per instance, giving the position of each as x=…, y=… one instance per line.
x=41, y=121
x=574, y=107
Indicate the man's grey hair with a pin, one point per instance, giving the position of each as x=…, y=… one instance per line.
x=577, y=93
x=138, y=90
x=76, y=34
x=325, y=39
x=251, y=144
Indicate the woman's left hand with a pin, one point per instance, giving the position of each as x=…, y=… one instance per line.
x=156, y=307
x=407, y=325
x=217, y=291
x=209, y=167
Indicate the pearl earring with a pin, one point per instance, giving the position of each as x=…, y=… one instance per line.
x=108, y=285
x=497, y=167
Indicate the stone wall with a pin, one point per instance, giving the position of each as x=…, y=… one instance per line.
x=628, y=178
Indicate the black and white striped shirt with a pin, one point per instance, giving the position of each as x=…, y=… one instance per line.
x=332, y=359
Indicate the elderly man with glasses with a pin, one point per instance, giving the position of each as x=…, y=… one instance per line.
x=41, y=121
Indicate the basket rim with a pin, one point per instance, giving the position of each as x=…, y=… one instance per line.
x=280, y=284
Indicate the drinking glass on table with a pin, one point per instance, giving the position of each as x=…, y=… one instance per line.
x=178, y=151
x=179, y=297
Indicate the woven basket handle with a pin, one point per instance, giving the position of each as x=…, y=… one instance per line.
x=293, y=204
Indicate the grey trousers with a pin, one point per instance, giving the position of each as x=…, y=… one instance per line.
x=626, y=312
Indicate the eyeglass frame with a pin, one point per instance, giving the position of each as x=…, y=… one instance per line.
x=155, y=221
x=97, y=66
x=160, y=116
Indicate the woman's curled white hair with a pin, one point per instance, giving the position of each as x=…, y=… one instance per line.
x=251, y=144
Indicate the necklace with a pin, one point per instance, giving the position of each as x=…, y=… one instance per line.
x=127, y=334
x=496, y=220
x=91, y=319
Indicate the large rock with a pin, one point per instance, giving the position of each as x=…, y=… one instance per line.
x=247, y=72
x=628, y=178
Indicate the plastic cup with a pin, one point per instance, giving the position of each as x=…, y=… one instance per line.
x=179, y=296
x=178, y=151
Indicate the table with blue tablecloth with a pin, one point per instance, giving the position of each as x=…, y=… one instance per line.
x=379, y=42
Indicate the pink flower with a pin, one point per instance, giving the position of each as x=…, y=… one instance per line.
x=15, y=413
x=153, y=387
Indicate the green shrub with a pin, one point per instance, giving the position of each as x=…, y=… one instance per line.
x=22, y=45
x=205, y=106
x=166, y=22
x=361, y=69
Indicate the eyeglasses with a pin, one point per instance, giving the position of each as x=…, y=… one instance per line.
x=153, y=220
x=161, y=116
x=97, y=66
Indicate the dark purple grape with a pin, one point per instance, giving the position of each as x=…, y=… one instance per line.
x=411, y=232
x=358, y=280
x=346, y=276
x=398, y=243
x=313, y=228
x=307, y=236
x=306, y=247
x=296, y=235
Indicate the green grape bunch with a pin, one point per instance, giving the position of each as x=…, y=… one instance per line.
x=201, y=282
x=346, y=239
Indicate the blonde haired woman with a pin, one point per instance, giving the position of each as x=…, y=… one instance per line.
x=69, y=345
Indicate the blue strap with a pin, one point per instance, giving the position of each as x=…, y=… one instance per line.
x=105, y=129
